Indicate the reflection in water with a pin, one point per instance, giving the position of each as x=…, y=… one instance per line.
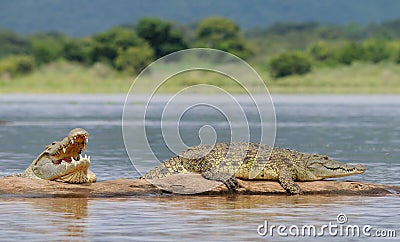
x=69, y=212
x=45, y=218
x=173, y=218
x=235, y=218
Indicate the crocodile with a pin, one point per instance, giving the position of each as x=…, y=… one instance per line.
x=225, y=162
x=62, y=161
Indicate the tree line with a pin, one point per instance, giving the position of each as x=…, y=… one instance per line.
x=283, y=48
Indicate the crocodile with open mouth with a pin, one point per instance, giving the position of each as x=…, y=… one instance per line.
x=63, y=161
x=227, y=161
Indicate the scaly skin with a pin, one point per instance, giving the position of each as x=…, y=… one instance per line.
x=62, y=160
x=227, y=161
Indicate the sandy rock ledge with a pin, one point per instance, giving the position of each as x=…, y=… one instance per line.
x=26, y=187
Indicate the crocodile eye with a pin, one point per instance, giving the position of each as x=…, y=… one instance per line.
x=293, y=155
x=326, y=158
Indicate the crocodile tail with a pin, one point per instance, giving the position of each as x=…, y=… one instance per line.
x=169, y=167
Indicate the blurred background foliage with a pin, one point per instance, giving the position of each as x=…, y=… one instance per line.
x=283, y=48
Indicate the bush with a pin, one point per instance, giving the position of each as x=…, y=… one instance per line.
x=223, y=34
x=47, y=47
x=16, y=65
x=321, y=51
x=397, y=57
x=161, y=36
x=107, y=45
x=73, y=51
x=376, y=51
x=134, y=59
x=289, y=63
x=350, y=52
x=13, y=44
x=102, y=53
x=46, y=51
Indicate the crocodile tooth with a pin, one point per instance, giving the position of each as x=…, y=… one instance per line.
x=64, y=149
x=87, y=140
x=72, y=141
x=89, y=158
x=72, y=159
x=80, y=157
x=85, y=156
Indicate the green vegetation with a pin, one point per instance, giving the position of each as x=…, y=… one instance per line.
x=69, y=77
x=108, y=46
x=223, y=34
x=13, y=44
x=161, y=35
x=292, y=57
x=290, y=63
x=360, y=77
x=134, y=59
x=16, y=65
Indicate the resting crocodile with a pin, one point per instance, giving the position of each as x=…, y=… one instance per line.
x=227, y=161
x=62, y=160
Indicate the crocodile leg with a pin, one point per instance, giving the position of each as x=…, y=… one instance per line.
x=228, y=179
x=287, y=182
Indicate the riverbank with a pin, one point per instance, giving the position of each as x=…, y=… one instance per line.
x=64, y=77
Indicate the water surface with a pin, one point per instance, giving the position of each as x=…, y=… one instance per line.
x=360, y=129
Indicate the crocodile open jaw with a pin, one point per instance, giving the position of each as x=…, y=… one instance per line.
x=70, y=149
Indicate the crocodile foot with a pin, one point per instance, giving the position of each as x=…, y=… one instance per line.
x=232, y=184
x=230, y=181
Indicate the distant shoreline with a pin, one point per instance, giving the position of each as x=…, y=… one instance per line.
x=65, y=77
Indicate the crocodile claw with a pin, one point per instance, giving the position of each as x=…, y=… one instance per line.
x=232, y=184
